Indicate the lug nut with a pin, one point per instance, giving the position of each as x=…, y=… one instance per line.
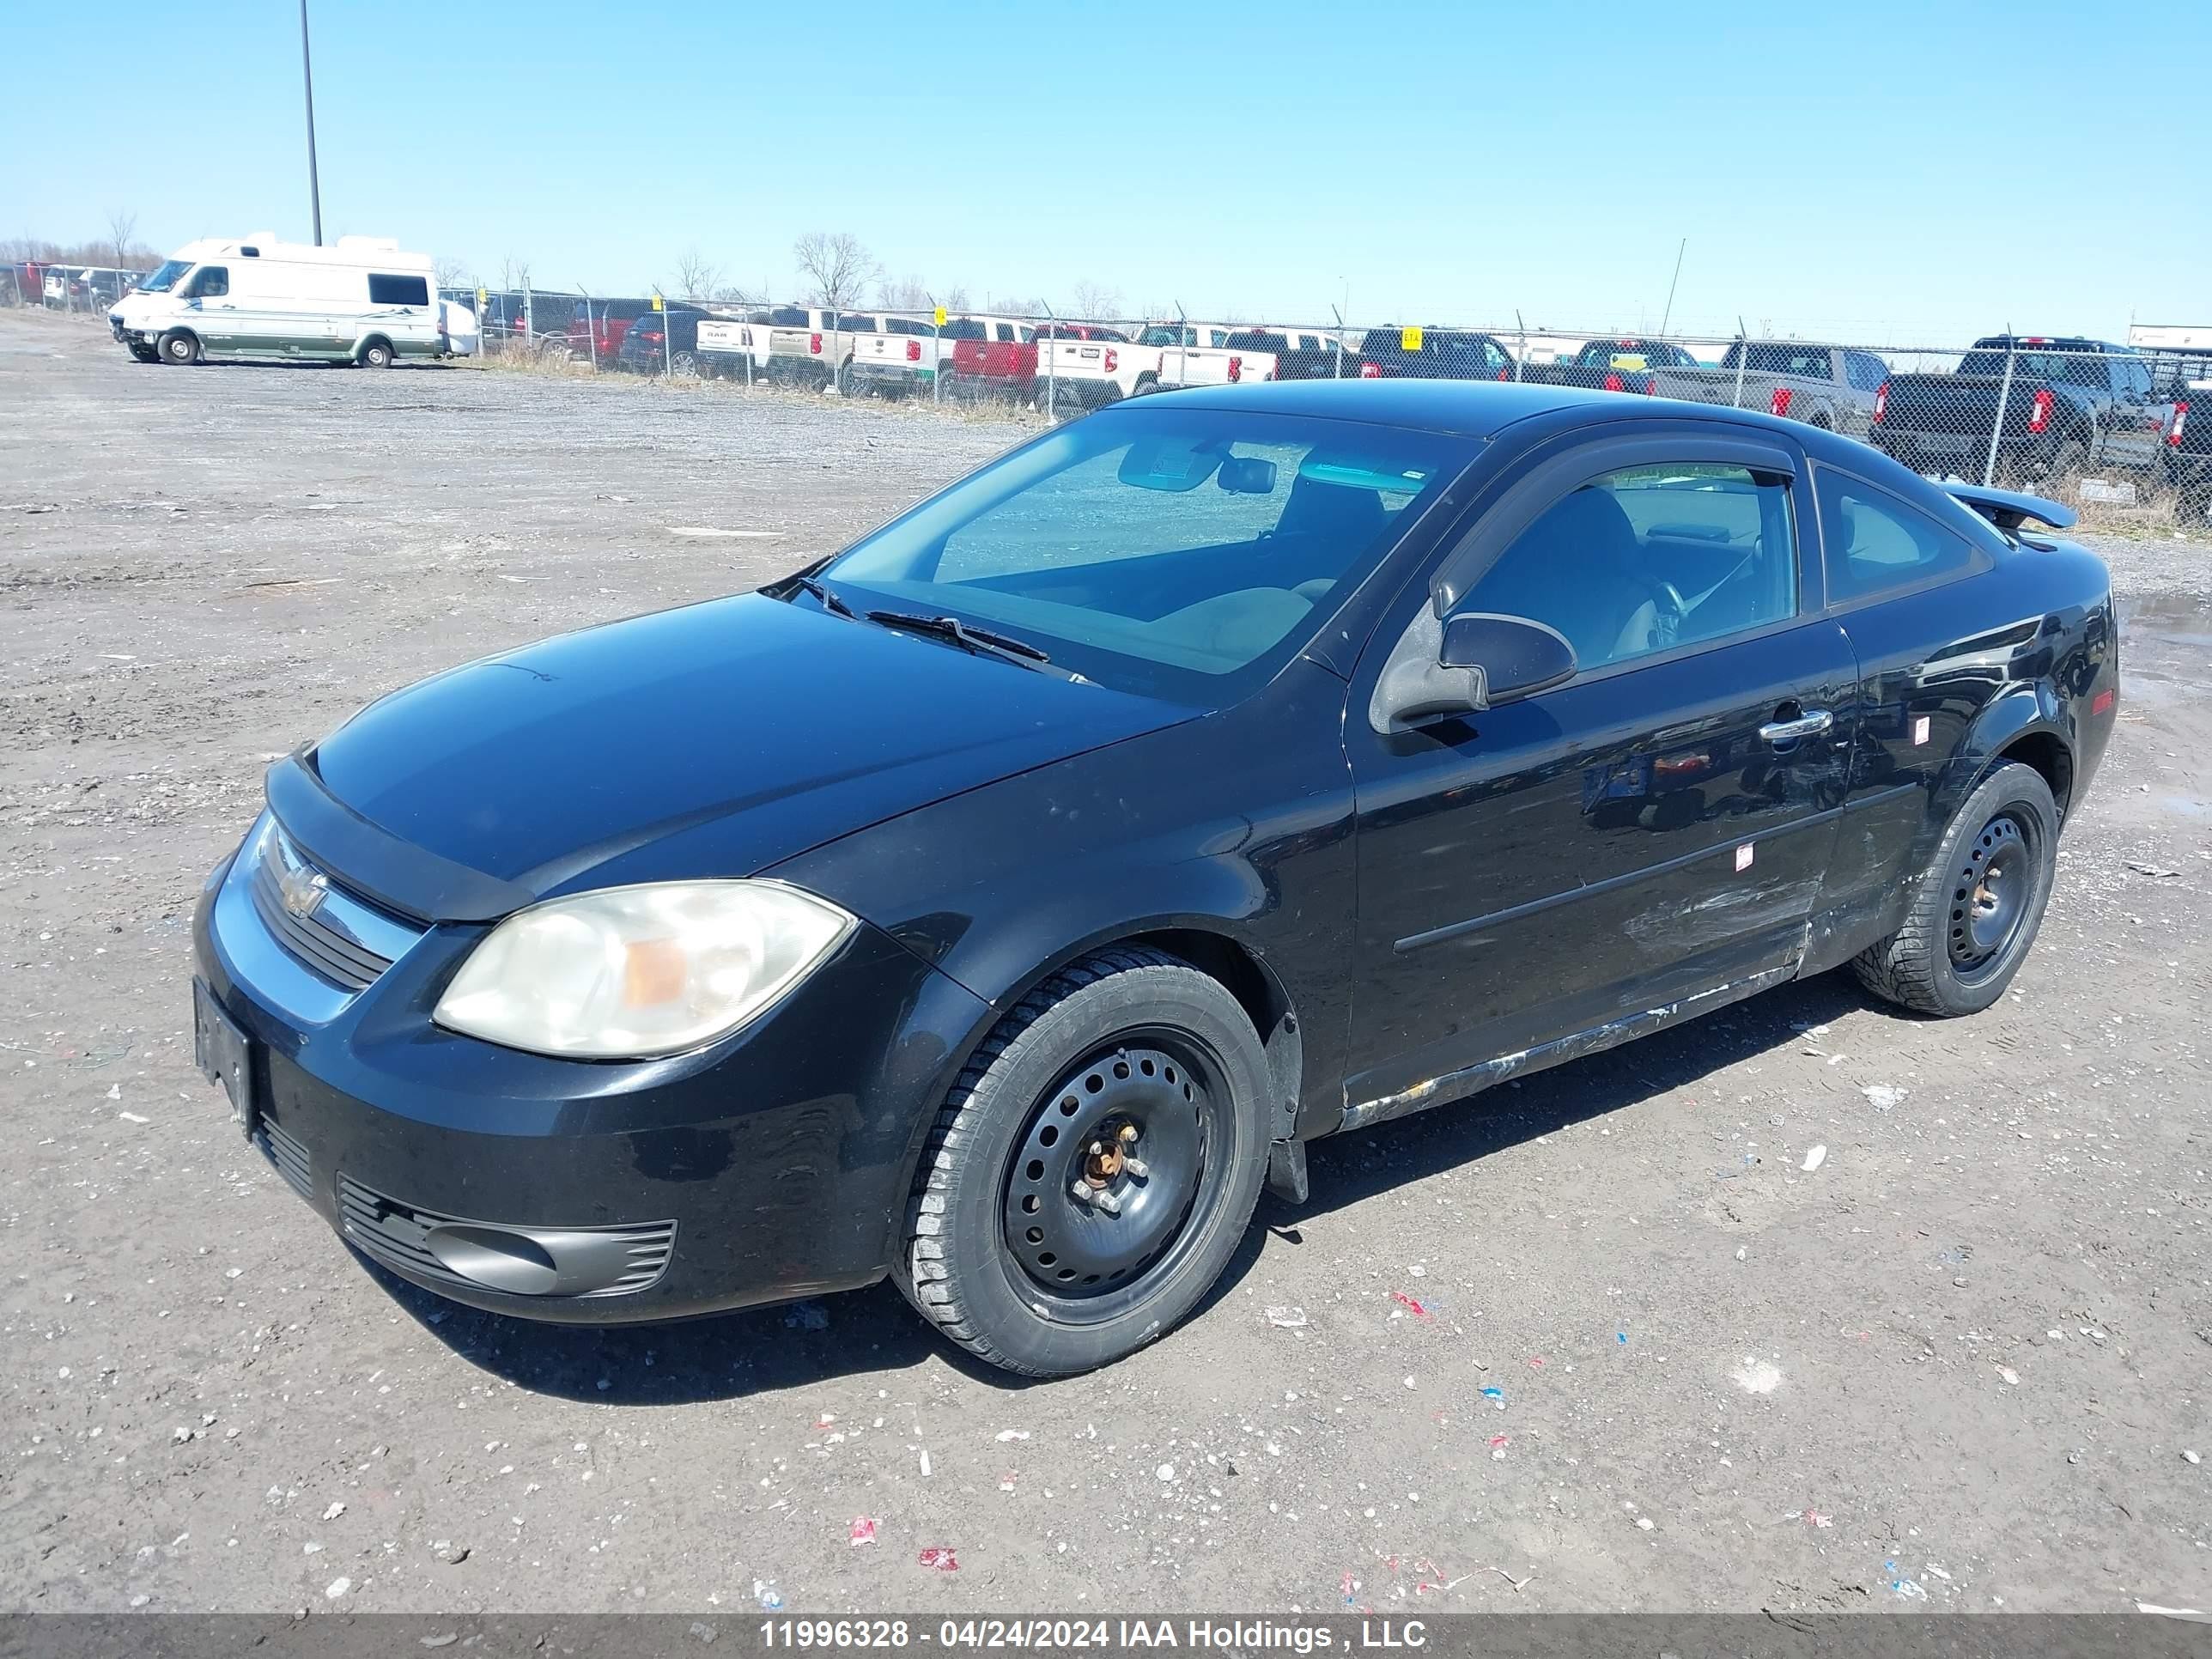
x=1128, y=1134
x=1137, y=1167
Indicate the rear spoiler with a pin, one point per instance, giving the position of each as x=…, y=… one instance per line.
x=2008, y=509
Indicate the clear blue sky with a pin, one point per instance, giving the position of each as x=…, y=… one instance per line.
x=1880, y=171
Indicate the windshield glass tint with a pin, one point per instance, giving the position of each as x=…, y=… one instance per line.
x=1180, y=554
x=165, y=278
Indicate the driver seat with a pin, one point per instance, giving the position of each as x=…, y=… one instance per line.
x=1573, y=569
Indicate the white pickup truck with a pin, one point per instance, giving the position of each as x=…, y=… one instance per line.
x=1827, y=386
x=1089, y=373
x=790, y=345
x=903, y=355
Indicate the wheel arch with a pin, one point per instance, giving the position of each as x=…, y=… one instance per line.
x=376, y=337
x=2028, y=724
x=1207, y=944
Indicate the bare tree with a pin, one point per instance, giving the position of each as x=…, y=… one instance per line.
x=451, y=272
x=1095, y=301
x=514, y=274
x=695, y=279
x=956, y=298
x=120, y=223
x=906, y=294
x=836, y=266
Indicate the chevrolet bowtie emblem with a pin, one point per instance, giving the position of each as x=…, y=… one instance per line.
x=302, y=889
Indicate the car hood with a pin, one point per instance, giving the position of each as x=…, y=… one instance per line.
x=714, y=740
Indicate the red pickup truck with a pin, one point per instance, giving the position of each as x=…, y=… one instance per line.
x=991, y=357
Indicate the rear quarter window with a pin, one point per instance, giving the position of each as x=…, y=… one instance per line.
x=1874, y=544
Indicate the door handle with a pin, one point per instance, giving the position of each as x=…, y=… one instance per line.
x=1811, y=723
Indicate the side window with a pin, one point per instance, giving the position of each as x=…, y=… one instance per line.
x=1493, y=357
x=1650, y=558
x=386, y=290
x=1867, y=372
x=212, y=284
x=1876, y=544
x=1003, y=331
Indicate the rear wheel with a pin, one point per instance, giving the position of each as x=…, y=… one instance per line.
x=376, y=355
x=684, y=366
x=2064, y=460
x=1093, y=1170
x=1978, y=904
x=178, y=346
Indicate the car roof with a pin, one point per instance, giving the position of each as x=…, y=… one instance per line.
x=1483, y=409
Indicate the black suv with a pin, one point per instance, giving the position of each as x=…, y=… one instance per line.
x=1443, y=354
x=662, y=342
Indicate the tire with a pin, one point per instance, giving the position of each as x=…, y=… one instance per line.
x=2065, y=459
x=1132, y=1053
x=1978, y=904
x=179, y=347
x=145, y=355
x=376, y=355
x=685, y=366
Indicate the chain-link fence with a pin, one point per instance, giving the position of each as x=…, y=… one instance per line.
x=2093, y=422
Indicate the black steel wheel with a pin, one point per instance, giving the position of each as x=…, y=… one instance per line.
x=1093, y=1169
x=376, y=355
x=1977, y=907
x=180, y=347
x=1102, y=1188
x=1989, y=900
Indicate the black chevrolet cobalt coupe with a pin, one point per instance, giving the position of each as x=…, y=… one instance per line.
x=1001, y=904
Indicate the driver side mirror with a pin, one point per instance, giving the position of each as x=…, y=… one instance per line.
x=1480, y=660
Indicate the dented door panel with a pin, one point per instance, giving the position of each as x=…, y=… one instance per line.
x=1600, y=854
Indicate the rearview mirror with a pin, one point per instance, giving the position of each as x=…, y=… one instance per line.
x=1247, y=475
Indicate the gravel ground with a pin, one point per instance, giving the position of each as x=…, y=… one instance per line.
x=1598, y=1342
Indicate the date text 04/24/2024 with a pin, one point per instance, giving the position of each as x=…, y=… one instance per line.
x=1242, y=1636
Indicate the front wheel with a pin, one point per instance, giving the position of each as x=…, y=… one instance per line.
x=1093, y=1168
x=1978, y=904
x=179, y=347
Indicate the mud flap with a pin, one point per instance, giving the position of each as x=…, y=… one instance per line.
x=1286, y=1171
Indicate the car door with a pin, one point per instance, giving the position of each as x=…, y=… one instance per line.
x=217, y=324
x=1646, y=838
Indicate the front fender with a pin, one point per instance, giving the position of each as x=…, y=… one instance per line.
x=1236, y=826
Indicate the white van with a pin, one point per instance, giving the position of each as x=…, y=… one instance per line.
x=361, y=302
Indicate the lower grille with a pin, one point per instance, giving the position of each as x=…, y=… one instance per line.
x=611, y=1260
x=288, y=1155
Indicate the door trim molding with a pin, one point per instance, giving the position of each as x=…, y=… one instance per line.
x=1452, y=930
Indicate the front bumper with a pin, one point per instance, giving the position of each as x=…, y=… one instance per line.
x=771, y=1165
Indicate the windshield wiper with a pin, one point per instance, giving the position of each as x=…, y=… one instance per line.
x=980, y=641
x=830, y=602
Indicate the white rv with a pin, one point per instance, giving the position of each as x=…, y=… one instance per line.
x=361, y=302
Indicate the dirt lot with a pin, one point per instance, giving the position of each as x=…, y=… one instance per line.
x=1962, y=1365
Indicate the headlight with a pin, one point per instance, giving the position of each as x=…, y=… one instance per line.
x=634, y=971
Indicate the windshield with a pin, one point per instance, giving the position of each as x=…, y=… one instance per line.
x=1179, y=554
x=165, y=278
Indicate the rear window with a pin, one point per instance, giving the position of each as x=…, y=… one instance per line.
x=1255, y=340
x=389, y=290
x=964, y=328
x=2074, y=362
x=788, y=317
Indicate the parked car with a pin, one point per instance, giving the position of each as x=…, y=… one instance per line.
x=1218, y=772
x=1442, y=355
x=517, y=314
x=1830, y=386
x=1199, y=355
x=1611, y=366
x=360, y=299
x=2070, y=403
x=596, y=327
x=664, y=341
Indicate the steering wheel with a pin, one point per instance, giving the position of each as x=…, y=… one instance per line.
x=1668, y=610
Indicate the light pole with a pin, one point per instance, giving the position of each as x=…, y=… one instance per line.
x=307, y=75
